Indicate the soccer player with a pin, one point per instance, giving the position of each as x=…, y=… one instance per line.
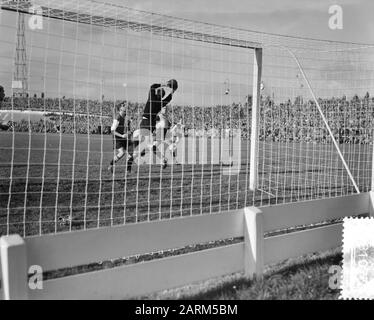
x=3, y=124
x=173, y=137
x=155, y=103
x=162, y=127
x=122, y=135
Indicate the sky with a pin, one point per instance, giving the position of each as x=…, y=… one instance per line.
x=66, y=59
x=305, y=18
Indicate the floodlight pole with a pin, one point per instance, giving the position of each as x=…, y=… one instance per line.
x=20, y=62
x=257, y=73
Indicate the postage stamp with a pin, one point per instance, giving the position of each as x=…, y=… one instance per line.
x=358, y=258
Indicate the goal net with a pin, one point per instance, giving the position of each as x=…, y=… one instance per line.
x=316, y=122
x=68, y=66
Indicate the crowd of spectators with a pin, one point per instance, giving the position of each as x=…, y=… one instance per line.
x=350, y=120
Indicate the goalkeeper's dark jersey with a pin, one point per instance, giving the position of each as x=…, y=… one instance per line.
x=154, y=103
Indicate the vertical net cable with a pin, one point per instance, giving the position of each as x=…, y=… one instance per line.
x=101, y=131
x=128, y=116
x=59, y=85
x=42, y=191
x=87, y=173
x=114, y=115
x=10, y=190
x=75, y=125
x=182, y=139
x=25, y=205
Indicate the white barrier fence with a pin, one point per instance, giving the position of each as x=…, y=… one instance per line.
x=53, y=252
x=201, y=149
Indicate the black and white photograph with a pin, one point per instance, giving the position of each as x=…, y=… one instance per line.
x=202, y=150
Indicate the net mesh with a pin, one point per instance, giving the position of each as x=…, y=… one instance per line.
x=316, y=124
x=87, y=57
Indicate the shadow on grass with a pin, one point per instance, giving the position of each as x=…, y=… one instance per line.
x=303, y=280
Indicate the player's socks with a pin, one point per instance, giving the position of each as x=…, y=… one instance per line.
x=130, y=161
x=110, y=168
x=164, y=164
x=154, y=148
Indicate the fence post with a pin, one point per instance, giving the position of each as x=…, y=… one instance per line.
x=257, y=72
x=253, y=243
x=181, y=151
x=13, y=268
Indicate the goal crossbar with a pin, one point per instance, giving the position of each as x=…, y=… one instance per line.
x=157, y=24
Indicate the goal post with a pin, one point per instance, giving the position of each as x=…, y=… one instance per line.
x=257, y=72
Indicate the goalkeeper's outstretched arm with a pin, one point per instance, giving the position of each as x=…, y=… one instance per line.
x=171, y=84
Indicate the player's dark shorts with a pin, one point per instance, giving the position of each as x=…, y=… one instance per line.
x=148, y=124
x=165, y=132
x=122, y=143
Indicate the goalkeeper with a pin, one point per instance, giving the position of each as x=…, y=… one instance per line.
x=142, y=138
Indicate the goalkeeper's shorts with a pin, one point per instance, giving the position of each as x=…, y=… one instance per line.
x=146, y=129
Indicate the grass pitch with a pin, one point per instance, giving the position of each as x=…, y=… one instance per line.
x=60, y=182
